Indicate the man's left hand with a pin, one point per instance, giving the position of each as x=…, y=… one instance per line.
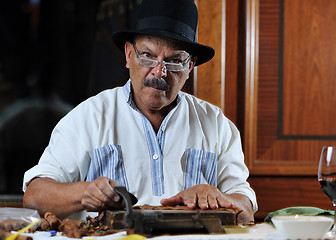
x=207, y=196
x=204, y=196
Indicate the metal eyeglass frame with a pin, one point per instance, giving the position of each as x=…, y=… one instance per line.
x=172, y=67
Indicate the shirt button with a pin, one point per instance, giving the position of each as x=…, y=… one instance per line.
x=155, y=156
x=163, y=128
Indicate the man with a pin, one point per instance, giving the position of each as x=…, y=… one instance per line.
x=166, y=147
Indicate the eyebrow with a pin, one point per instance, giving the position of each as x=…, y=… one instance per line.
x=176, y=55
x=179, y=54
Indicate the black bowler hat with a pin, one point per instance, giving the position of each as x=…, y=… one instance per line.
x=174, y=19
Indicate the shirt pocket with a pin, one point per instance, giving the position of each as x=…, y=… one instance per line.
x=108, y=162
x=200, y=168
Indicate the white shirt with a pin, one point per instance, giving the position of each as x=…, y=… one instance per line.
x=107, y=136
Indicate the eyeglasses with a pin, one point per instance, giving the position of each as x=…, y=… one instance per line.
x=170, y=66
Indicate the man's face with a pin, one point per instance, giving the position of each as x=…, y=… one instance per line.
x=155, y=88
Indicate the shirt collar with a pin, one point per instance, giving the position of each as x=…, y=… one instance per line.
x=128, y=93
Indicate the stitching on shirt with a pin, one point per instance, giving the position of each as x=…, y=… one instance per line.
x=155, y=142
x=108, y=161
x=156, y=164
x=200, y=168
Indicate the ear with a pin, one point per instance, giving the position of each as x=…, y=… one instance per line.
x=128, y=51
x=192, y=63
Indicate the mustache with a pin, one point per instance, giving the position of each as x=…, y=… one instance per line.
x=157, y=83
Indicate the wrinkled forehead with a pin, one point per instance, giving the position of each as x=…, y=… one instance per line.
x=170, y=43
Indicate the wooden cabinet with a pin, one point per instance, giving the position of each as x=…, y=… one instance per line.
x=277, y=82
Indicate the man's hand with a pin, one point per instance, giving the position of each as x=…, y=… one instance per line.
x=63, y=199
x=99, y=195
x=204, y=196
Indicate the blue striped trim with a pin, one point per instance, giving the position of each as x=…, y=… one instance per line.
x=108, y=162
x=155, y=143
x=161, y=135
x=200, y=168
x=156, y=164
x=128, y=94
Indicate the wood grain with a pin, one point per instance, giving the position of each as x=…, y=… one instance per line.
x=233, y=55
x=274, y=193
x=309, y=70
x=210, y=75
x=289, y=53
x=286, y=143
x=288, y=112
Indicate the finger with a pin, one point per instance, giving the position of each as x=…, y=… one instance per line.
x=202, y=200
x=117, y=202
x=107, y=193
x=175, y=200
x=115, y=196
x=98, y=194
x=113, y=183
x=224, y=203
x=191, y=201
x=89, y=206
x=104, y=195
x=100, y=202
x=92, y=204
x=212, y=201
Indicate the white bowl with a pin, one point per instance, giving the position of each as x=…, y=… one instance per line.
x=302, y=227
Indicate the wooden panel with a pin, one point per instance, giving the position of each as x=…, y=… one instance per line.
x=233, y=55
x=274, y=193
x=231, y=59
x=280, y=83
x=269, y=30
x=288, y=118
x=221, y=25
x=251, y=70
x=288, y=113
x=309, y=69
x=209, y=79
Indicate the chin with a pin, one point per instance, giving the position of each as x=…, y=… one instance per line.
x=155, y=106
x=157, y=102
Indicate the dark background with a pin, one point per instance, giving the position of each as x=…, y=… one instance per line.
x=53, y=55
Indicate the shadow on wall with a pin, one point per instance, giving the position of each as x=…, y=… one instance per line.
x=25, y=128
x=53, y=55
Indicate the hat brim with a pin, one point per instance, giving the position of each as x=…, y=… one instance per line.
x=204, y=53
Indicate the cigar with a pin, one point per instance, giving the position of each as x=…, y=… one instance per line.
x=71, y=230
x=12, y=224
x=44, y=225
x=20, y=237
x=53, y=221
x=75, y=223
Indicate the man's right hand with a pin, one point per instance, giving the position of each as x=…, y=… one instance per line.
x=99, y=195
x=63, y=199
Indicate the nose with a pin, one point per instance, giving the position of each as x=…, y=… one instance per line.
x=160, y=70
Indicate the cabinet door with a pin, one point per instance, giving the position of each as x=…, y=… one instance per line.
x=290, y=98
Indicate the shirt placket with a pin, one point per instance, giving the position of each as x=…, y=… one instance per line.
x=155, y=143
x=155, y=159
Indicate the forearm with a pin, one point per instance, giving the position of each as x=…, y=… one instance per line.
x=62, y=199
x=244, y=203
